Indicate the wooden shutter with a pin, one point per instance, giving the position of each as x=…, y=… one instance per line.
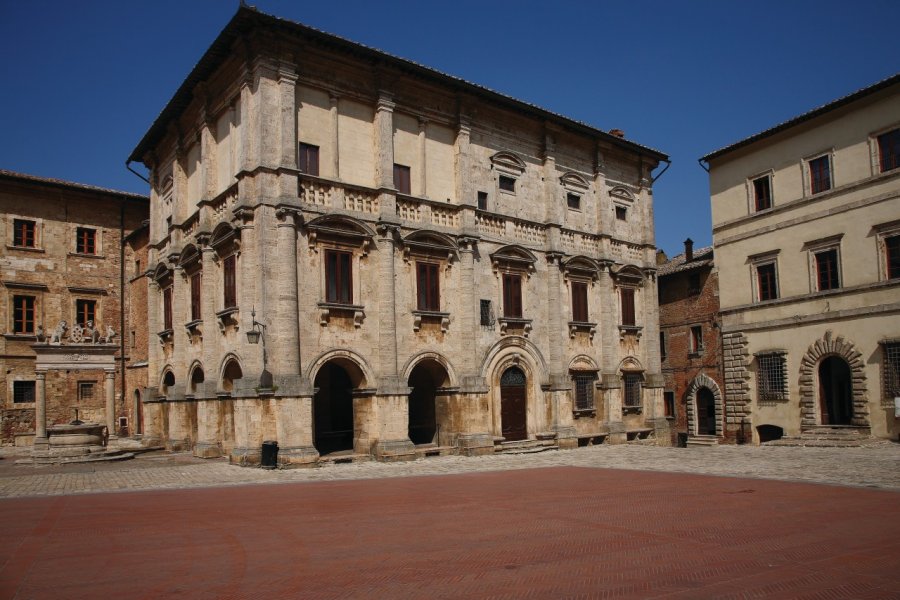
x=195, y=297
x=579, y=302
x=230, y=283
x=627, y=306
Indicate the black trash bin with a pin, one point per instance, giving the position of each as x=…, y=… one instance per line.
x=269, y=458
x=682, y=439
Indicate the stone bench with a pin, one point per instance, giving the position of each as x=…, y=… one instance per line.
x=638, y=434
x=591, y=439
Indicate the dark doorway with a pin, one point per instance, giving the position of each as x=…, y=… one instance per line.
x=424, y=380
x=333, y=410
x=835, y=391
x=513, y=396
x=706, y=412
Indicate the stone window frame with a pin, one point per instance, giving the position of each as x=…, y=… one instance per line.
x=884, y=231
x=340, y=234
x=191, y=263
x=818, y=246
x=637, y=379
x=226, y=243
x=517, y=261
x=623, y=200
x=875, y=151
x=507, y=164
x=806, y=169
x=890, y=369
x=78, y=230
x=11, y=219
x=82, y=386
x=629, y=277
x=430, y=247
x=33, y=290
x=769, y=174
x=770, y=394
x=164, y=277
x=696, y=347
x=575, y=187
x=85, y=295
x=582, y=270
x=759, y=260
x=581, y=377
x=304, y=164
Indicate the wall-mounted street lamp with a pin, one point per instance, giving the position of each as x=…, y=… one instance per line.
x=256, y=333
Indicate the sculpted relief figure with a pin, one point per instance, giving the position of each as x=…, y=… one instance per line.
x=110, y=335
x=56, y=336
x=77, y=334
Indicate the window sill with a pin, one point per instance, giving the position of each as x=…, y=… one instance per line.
x=584, y=412
x=228, y=316
x=165, y=336
x=85, y=255
x=25, y=248
x=633, y=330
x=20, y=336
x=326, y=309
x=431, y=315
x=508, y=325
x=697, y=354
x=194, y=327
x=632, y=410
x=576, y=326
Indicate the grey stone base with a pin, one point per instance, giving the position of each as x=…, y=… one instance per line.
x=394, y=450
x=178, y=445
x=245, y=457
x=475, y=444
x=152, y=442
x=566, y=436
x=207, y=450
x=299, y=456
x=617, y=433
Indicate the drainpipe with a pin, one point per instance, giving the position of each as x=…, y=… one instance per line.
x=122, y=299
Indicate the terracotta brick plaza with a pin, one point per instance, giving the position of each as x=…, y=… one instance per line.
x=556, y=532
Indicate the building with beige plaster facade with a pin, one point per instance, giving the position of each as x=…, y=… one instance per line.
x=425, y=265
x=806, y=229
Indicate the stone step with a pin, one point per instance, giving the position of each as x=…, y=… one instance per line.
x=525, y=446
x=702, y=440
x=427, y=450
x=344, y=457
x=813, y=443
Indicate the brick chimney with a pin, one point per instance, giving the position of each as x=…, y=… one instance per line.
x=617, y=132
x=688, y=250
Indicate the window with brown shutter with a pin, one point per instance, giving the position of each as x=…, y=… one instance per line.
x=84, y=311
x=512, y=296
x=579, y=302
x=827, y=270
x=427, y=286
x=23, y=233
x=627, y=295
x=309, y=159
x=195, y=296
x=167, y=308
x=762, y=193
x=401, y=179
x=768, y=284
x=892, y=249
x=889, y=150
x=338, y=277
x=230, y=282
x=23, y=314
x=819, y=175
x=85, y=240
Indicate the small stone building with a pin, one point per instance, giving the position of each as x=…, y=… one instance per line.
x=691, y=349
x=356, y=255
x=806, y=230
x=61, y=259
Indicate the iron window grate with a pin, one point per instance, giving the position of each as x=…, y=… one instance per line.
x=891, y=369
x=771, y=377
x=584, y=390
x=632, y=390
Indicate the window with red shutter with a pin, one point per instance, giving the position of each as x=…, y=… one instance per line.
x=579, y=302
x=401, y=179
x=229, y=280
x=195, y=296
x=628, y=317
x=512, y=296
x=338, y=277
x=428, y=287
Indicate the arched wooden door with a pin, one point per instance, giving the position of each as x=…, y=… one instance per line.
x=513, y=402
x=706, y=412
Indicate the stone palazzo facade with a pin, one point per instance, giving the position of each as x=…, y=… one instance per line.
x=806, y=229
x=423, y=264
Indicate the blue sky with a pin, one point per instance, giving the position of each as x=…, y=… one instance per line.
x=82, y=81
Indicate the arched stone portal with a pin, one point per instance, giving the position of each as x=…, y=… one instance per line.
x=835, y=391
x=333, y=409
x=425, y=381
x=513, y=404
x=810, y=413
x=699, y=391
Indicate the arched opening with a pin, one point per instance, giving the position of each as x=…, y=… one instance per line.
x=426, y=379
x=333, y=409
x=168, y=381
x=706, y=412
x=138, y=413
x=513, y=404
x=835, y=391
x=231, y=374
x=197, y=377
x=768, y=433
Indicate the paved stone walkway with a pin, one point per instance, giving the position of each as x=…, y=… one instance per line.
x=877, y=466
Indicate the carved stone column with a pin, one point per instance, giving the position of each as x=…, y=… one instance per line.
x=469, y=305
x=40, y=407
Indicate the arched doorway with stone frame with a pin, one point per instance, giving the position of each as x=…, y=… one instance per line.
x=432, y=386
x=811, y=388
x=702, y=390
x=341, y=418
x=518, y=352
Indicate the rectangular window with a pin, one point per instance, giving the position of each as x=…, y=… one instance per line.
x=507, y=184
x=85, y=240
x=229, y=281
x=632, y=389
x=584, y=390
x=338, y=277
x=892, y=249
x=696, y=339
x=573, y=201
x=762, y=193
x=23, y=233
x=23, y=315
x=428, y=286
x=487, y=313
x=669, y=404
x=579, y=301
x=167, y=308
x=627, y=295
x=512, y=296
x=85, y=310
x=401, y=179
x=196, y=281
x=819, y=174
x=23, y=391
x=889, y=150
x=662, y=345
x=767, y=281
x=621, y=213
x=770, y=377
x=482, y=200
x=309, y=159
x=694, y=284
x=85, y=391
x=891, y=369
x=827, y=270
